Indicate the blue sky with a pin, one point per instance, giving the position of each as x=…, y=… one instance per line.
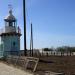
x=53, y=21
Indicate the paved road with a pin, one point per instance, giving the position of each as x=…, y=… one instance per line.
x=9, y=70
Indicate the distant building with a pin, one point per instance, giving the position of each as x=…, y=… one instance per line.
x=10, y=36
x=35, y=52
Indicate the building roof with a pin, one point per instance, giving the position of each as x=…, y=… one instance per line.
x=11, y=33
x=10, y=16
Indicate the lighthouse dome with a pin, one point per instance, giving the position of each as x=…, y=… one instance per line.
x=10, y=17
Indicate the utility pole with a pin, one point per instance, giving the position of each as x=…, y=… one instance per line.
x=24, y=14
x=31, y=42
x=32, y=37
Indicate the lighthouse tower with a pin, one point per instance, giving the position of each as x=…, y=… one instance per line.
x=10, y=36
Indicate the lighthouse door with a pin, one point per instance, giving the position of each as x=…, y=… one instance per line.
x=14, y=49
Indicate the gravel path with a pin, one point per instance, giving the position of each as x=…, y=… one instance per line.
x=9, y=70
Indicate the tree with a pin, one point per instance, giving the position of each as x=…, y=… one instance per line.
x=61, y=49
x=47, y=49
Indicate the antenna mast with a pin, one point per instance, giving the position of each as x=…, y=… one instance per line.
x=24, y=12
x=10, y=6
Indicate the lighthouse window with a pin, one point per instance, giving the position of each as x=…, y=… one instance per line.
x=14, y=43
x=10, y=23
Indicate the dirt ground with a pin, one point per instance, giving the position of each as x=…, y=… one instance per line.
x=9, y=70
x=57, y=64
x=61, y=64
